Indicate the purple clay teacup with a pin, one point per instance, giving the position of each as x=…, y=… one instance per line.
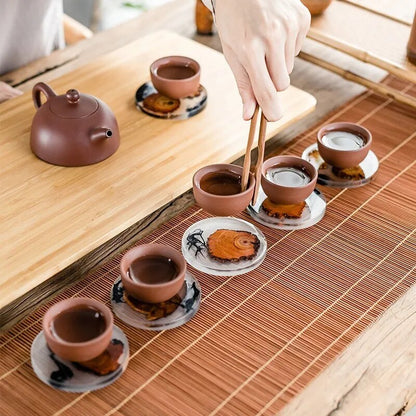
x=176, y=76
x=288, y=179
x=152, y=273
x=217, y=189
x=78, y=329
x=343, y=144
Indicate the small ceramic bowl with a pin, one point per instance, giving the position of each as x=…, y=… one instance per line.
x=285, y=195
x=175, y=76
x=222, y=205
x=316, y=7
x=344, y=158
x=149, y=292
x=78, y=351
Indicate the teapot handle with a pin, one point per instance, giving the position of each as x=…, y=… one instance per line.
x=47, y=91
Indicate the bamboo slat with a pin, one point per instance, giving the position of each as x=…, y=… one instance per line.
x=260, y=338
x=367, y=36
x=350, y=76
x=52, y=216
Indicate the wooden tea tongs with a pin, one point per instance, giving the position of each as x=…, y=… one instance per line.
x=260, y=155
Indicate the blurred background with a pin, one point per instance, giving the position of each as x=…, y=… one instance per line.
x=100, y=15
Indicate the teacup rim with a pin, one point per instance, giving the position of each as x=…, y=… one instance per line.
x=303, y=161
x=197, y=183
x=50, y=315
x=179, y=255
x=349, y=128
x=158, y=62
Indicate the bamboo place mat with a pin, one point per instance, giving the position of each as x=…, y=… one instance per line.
x=259, y=338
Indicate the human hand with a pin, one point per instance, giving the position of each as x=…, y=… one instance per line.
x=260, y=39
x=7, y=92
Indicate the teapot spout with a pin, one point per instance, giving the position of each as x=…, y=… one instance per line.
x=100, y=133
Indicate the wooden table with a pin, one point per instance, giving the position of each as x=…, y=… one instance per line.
x=330, y=90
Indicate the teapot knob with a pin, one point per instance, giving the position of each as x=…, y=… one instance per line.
x=72, y=96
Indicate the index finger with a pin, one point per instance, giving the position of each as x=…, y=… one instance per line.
x=263, y=87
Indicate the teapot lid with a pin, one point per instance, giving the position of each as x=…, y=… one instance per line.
x=73, y=105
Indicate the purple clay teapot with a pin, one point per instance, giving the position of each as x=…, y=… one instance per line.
x=72, y=129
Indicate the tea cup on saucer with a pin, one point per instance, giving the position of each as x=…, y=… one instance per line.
x=175, y=76
x=288, y=179
x=344, y=145
x=152, y=273
x=78, y=329
x=217, y=189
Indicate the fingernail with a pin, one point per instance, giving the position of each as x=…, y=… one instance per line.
x=246, y=112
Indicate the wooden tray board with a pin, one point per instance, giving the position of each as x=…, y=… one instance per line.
x=368, y=36
x=52, y=216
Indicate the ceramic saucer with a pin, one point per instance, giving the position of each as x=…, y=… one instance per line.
x=189, y=299
x=196, y=254
x=339, y=178
x=67, y=376
x=188, y=106
x=313, y=212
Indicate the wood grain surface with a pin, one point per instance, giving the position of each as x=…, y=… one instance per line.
x=402, y=11
x=379, y=382
x=365, y=35
x=260, y=338
x=52, y=216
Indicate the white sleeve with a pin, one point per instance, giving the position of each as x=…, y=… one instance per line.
x=208, y=3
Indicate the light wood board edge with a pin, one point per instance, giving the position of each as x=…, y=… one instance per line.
x=26, y=304
x=375, y=375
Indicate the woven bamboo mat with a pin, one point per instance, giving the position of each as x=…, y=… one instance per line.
x=259, y=338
